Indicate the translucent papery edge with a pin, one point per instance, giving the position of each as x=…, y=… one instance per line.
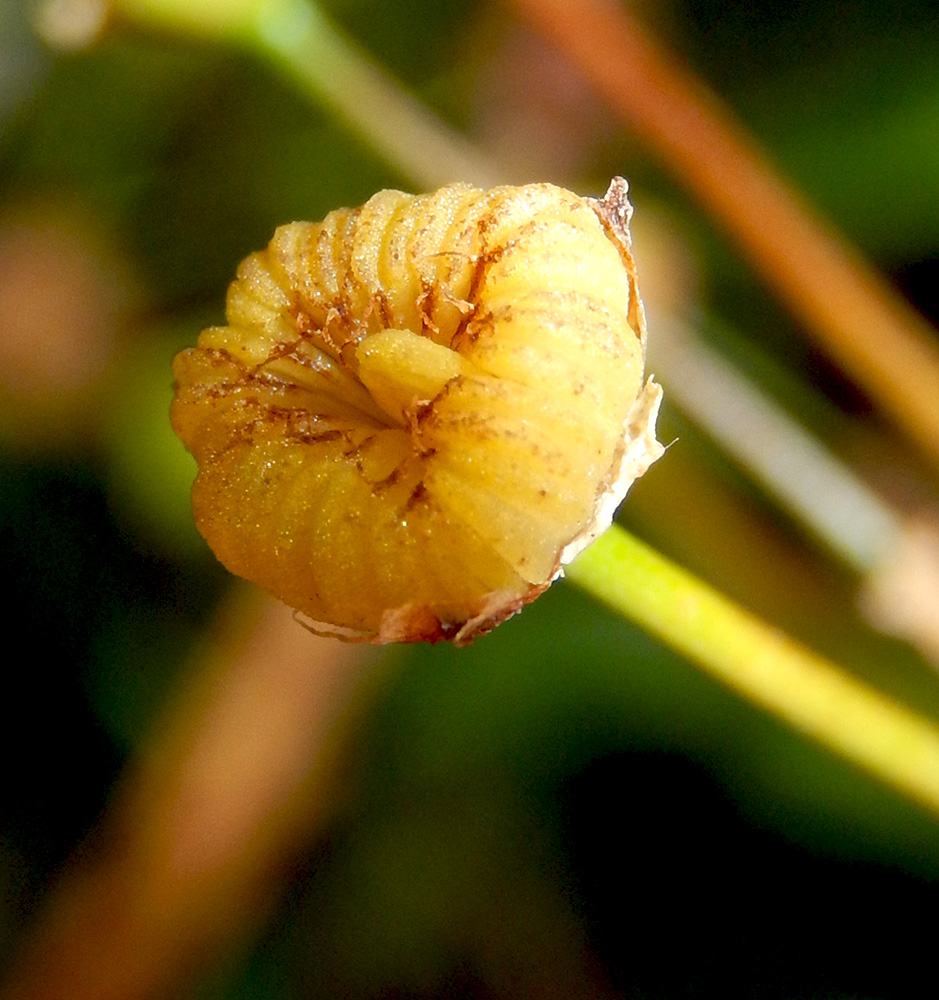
x=640, y=449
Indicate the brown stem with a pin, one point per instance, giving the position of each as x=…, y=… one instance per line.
x=244, y=763
x=857, y=316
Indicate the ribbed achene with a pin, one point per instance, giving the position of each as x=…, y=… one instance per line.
x=419, y=405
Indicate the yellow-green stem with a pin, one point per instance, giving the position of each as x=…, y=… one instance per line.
x=810, y=693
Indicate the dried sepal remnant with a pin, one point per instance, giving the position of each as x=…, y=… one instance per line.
x=421, y=408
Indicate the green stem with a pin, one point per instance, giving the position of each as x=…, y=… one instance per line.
x=298, y=37
x=810, y=693
x=395, y=125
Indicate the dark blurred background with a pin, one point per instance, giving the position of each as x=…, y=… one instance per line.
x=566, y=790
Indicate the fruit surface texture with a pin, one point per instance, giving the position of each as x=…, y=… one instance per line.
x=420, y=408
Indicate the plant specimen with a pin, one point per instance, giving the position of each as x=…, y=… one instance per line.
x=422, y=408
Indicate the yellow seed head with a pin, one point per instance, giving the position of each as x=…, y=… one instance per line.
x=421, y=408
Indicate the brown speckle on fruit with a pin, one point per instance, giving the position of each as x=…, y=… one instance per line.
x=421, y=408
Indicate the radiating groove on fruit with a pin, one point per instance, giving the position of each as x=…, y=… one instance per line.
x=418, y=407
